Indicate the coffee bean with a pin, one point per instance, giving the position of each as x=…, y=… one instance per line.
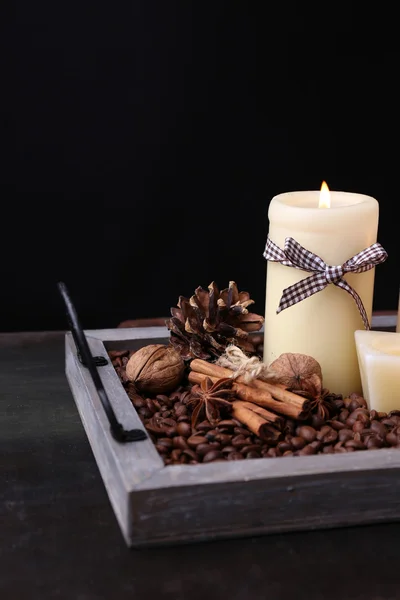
x=183, y=419
x=138, y=401
x=167, y=442
x=175, y=454
x=354, y=404
x=338, y=425
x=379, y=429
x=344, y=415
x=373, y=414
x=316, y=444
x=238, y=441
x=382, y=415
x=228, y=423
x=327, y=435
x=179, y=442
x=202, y=449
x=284, y=446
x=252, y=454
x=190, y=454
x=374, y=443
x=328, y=449
x=345, y=434
x=317, y=421
x=212, y=455
x=358, y=427
x=161, y=448
x=235, y=456
x=145, y=412
x=288, y=453
x=298, y=442
x=162, y=398
x=389, y=423
x=180, y=409
x=250, y=448
x=272, y=452
x=357, y=445
x=203, y=426
x=223, y=438
x=392, y=438
x=183, y=429
x=306, y=432
x=168, y=422
x=307, y=451
x=241, y=431
x=228, y=449
x=195, y=440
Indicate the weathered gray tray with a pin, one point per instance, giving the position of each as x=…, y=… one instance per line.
x=157, y=504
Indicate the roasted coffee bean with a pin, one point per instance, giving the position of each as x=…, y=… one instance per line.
x=212, y=455
x=341, y=450
x=228, y=449
x=357, y=445
x=272, y=452
x=250, y=448
x=338, y=402
x=163, y=399
x=354, y=404
x=190, y=454
x=203, y=426
x=195, y=440
x=375, y=442
x=202, y=449
x=252, y=454
x=327, y=435
x=345, y=434
x=379, y=429
x=298, y=442
x=306, y=432
x=184, y=429
x=180, y=409
x=138, y=401
x=388, y=423
x=211, y=435
x=316, y=444
x=170, y=431
x=358, y=427
x=382, y=415
x=144, y=412
x=227, y=423
x=392, y=438
x=179, y=442
x=238, y=441
x=167, y=442
x=176, y=453
x=328, y=449
x=337, y=425
x=183, y=419
x=373, y=414
x=344, y=415
x=167, y=422
x=161, y=448
x=223, y=438
x=284, y=446
x=288, y=453
x=241, y=431
x=317, y=421
x=166, y=414
x=307, y=451
x=235, y=456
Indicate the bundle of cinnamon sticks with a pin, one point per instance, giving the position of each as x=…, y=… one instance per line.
x=259, y=404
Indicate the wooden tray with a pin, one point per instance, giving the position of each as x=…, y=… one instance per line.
x=157, y=504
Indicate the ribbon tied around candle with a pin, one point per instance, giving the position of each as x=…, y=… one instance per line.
x=294, y=255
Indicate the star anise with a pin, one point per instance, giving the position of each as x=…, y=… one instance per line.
x=322, y=401
x=209, y=398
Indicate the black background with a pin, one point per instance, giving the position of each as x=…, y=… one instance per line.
x=150, y=136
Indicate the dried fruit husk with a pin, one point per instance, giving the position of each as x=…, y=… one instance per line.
x=155, y=369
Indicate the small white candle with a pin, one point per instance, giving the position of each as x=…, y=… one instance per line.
x=322, y=325
x=379, y=359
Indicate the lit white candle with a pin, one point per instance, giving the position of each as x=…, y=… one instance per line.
x=379, y=359
x=335, y=226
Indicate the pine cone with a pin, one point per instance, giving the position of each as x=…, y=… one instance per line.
x=204, y=325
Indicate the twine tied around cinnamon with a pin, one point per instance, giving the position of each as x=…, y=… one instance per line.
x=294, y=255
x=250, y=368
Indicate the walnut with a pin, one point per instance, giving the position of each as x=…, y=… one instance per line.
x=155, y=369
x=297, y=371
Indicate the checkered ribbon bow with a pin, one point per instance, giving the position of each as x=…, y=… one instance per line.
x=296, y=256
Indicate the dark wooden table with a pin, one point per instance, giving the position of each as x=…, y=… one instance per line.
x=59, y=537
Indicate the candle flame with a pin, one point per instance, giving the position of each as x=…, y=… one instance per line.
x=324, y=196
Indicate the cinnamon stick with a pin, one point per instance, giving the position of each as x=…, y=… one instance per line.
x=266, y=414
x=288, y=404
x=277, y=391
x=255, y=422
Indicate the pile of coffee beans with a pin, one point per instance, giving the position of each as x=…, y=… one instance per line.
x=167, y=419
